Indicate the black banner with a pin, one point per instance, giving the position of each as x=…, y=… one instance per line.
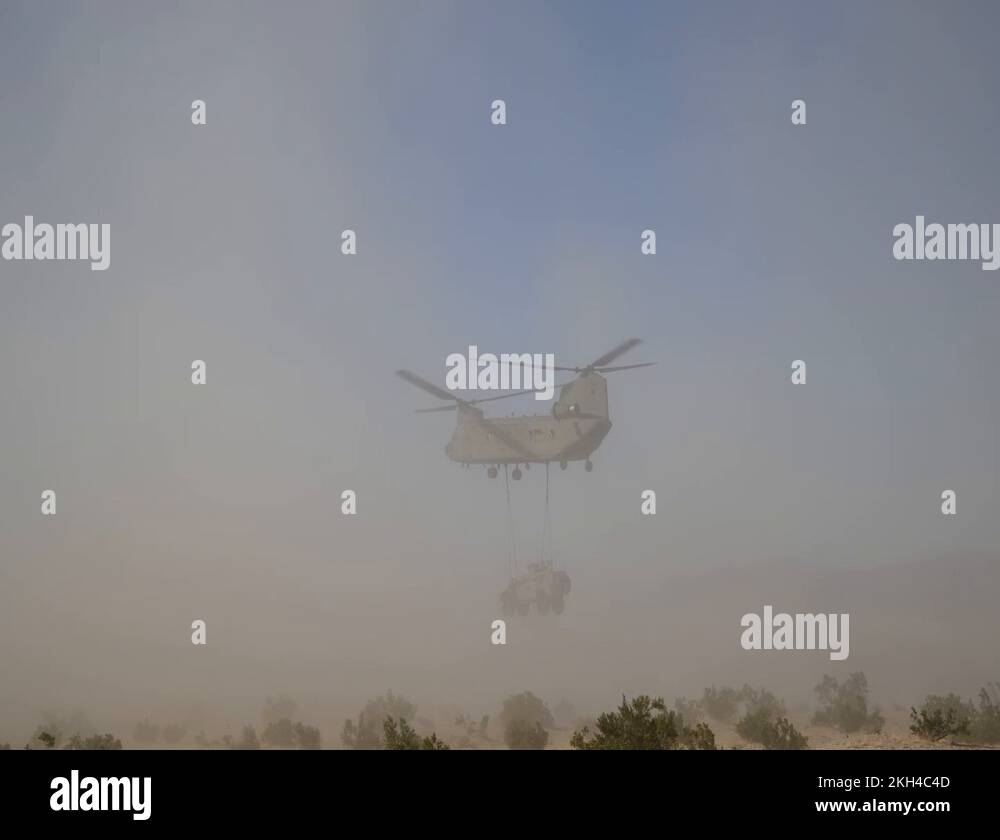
x=179, y=788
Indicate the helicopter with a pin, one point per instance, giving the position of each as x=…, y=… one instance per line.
x=578, y=424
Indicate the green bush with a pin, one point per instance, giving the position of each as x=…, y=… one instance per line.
x=845, y=706
x=286, y=733
x=526, y=720
x=94, y=742
x=690, y=711
x=761, y=726
x=937, y=724
x=985, y=724
x=402, y=737
x=946, y=716
x=721, y=704
x=698, y=737
x=43, y=739
x=368, y=732
x=279, y=733
x=522, y=735
x=726, y=704
x=643, y=724
x=248, y=739
x=760, y=699
x=306, y=737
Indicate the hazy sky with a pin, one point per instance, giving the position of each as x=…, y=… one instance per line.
x=222, y=503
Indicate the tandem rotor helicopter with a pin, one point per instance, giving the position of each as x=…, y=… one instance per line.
x=579, y=422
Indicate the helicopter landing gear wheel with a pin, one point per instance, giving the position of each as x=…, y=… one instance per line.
x=492, y=472
x=516, y=474
x=562, y=465
x=588, y=465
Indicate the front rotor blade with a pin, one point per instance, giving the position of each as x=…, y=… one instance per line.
x=424, y=385
x=451, y=407
x=611, y=355
x=623, y=367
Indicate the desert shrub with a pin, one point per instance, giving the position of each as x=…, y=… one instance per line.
x=472, y=728
x=942, y=716
x=400, y=736
x=523, y=735
x=226, y=742
x=643, y=724
x=522, y=717
x=43, y=739
x=845, y=705
x=368, y=732
x=690, y=711
x=146, y=732
x=363, y=735
x=762, y=726
x=306, y=737
x=433, y=743
x=248, y=739
x=94, y=742
x=937, y=724
x=280, y=728
x=57, y=726
x=697, y=737
x=761, y=700
x=721, y=704
x=526, y=707
x=279, y=733
x=985, y=723
x=726, y=704
x=288, y=733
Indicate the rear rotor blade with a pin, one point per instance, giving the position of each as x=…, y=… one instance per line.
x=611, y=355
x=424, y=385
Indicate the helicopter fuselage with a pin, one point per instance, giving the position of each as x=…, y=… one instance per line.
x=577, y=425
